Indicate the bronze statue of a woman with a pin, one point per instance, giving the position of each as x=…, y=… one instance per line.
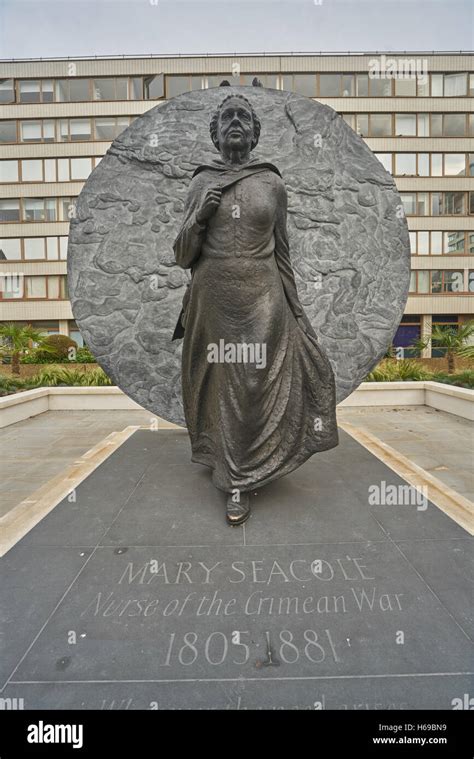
x=258, y=391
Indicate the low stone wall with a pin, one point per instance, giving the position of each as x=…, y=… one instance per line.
x=19, y=406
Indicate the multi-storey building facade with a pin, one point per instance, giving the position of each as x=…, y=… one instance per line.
x=58, y=118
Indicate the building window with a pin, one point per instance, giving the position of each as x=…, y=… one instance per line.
x=13, y=288
x=454, y=242
x=32, y=170
x=452, y=203
x=455, y=85
x=80, y=130
x=50, y=170
x=72, y=90
x=136, y=88
x=405, y=124
x=447, y=281
x=362, y=124
x=380, y=88
x=48, y=328
x=110, y=89
x=109, y=128
x=405, y=87
x=380, y=124
x=35, y=287
x=7, y=91
x=154, y=87
x=436, y=243
x=407, y=333
x=362, y=85
x=30, y=131
x=330, y=85
x=52, y=287
x=29, y=92
x=423, y=203
x=8, y=131
x=35, y=91
x=304, y=84
x=423, y=164
x=63, y=243
x=386, y=160
x=455, y=164
x=39, y=209
x=10, y=249
x=8, y=171
x=445, y=321
x=34, y=248
x=9, y=210
x=423, y=243
x=80, y=168
x=454, y=125
x=442, y=203
x=405, y=164
x=440, y=243
x=423, y=125
x=176, y=85
x=75, y=334
x=409, y=203
x=267, y=80
x=420, y=281
x=67, y=209
x=436, y=164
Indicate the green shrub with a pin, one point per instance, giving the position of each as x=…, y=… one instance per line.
x=59, y=348
x=81, y=356
x=460, y=379
x=7, y=385
x=84, y=356
x=54, y=377
x=407, y=370
x=404, y=370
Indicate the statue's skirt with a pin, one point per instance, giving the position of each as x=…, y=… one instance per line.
x=252, y=421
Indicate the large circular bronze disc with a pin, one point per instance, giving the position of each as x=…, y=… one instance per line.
x=349, y=240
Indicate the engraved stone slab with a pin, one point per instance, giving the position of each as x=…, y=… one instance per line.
x=349, y=240
x=241, y=619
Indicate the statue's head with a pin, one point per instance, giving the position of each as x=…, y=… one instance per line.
x=235, y=125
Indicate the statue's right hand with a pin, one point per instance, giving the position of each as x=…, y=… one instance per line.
x=209, y=204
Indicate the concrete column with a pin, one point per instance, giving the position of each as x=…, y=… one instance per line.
x=426, y=324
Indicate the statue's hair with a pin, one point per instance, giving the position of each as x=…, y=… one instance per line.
x=215, y=118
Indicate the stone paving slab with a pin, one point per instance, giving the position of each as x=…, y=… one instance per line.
x=441, y=443
x=139, y=595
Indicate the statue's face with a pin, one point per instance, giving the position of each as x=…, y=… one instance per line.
x=235, y=128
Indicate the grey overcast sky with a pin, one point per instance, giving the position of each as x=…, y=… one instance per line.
x=48, y=28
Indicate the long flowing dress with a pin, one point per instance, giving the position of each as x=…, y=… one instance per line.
x=250, y=423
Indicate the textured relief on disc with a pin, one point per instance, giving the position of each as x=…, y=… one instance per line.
x=349, y=241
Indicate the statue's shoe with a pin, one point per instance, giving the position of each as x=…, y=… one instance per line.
x=238, y=513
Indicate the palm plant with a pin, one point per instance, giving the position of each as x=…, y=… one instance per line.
x=419, y=345
x=454, y=342
x=16, y=340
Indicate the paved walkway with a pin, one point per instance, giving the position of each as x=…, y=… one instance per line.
x=322, y=600
x=441, y=444
x=37, y=449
